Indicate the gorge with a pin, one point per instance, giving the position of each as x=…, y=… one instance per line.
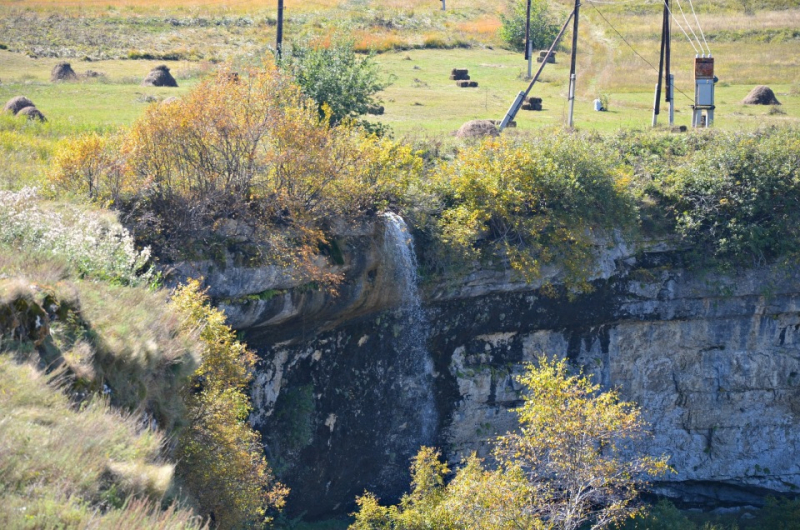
x=350, y=385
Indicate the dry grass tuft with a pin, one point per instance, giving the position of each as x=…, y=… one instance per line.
x=484, y=26
x=55, y=460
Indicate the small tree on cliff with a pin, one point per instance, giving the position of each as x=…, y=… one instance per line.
x=221, y=461
x=577, y=459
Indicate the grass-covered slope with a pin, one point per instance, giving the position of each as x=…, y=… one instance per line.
x=68, y=458
x=115, y=399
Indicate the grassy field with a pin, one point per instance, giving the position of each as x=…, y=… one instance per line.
x=420, y=44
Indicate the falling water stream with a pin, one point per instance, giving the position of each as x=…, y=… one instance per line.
x=412, y=338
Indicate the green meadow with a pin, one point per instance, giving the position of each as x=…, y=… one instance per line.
x=417, y=45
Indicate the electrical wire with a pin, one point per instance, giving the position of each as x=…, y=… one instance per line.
x=634, y=49
x=674, y=18
x=688, y=25
x=677, y=22
x=700, y=27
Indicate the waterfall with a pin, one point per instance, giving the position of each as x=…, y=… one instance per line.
x=412, y=338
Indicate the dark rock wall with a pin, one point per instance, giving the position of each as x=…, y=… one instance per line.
x=712, y=360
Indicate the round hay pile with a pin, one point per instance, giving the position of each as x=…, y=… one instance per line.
x=761, y=95
x=16, y=104
x=477, y=129
x=32, y=113
x=160, y=76
x=63, y=72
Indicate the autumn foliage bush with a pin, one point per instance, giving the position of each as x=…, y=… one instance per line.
x=537, y=202
x=249, y=148
x=220, y=458
x=92, y=165
x=577, y=460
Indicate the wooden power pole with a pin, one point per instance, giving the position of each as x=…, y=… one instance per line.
x=572, y=63
x=279, y=38
x=664, y=73
x=528, y=47
x=514, y=108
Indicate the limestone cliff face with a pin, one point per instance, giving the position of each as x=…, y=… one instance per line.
x=713, y=360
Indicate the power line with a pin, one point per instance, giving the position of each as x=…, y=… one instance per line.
x=677, y=22
x=699, y=27
x=634, y=49
x=688, y=25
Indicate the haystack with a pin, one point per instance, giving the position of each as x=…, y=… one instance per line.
x=169, y=100
x=32, y=113
x=477, y=129
x=459, y=74
x=159, y=76
x=92, y=74
x=761, y=95
x=63, y=72
x=16, y=104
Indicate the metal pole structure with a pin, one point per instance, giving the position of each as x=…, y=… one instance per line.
x=528, y=45
x=514, y=108
x=530, y=58
x=279, y=38
x=528, y=31
x=444, y=8
x=572, y=63
x=670, y=79
x=671, y=93
x=664, y=26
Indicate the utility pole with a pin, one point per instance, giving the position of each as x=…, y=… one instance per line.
x=279, y=39
x=514, y=108
x=572, y=63
x=669, y=97
x=664, y=67
x=444, y=8
x=528, y=46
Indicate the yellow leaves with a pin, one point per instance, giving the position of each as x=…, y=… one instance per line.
x=536, y=203
x=90, y=164
x=576, y=459
x=220, y=456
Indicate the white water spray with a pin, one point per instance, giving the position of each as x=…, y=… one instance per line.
x=411, y=341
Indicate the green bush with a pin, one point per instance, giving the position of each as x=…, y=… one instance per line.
x=736, y=202
x=333, y=75
x=661, y=516
x=543, y=30
x=220, y=457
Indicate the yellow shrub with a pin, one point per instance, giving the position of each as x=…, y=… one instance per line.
x=251, y=147
x=220, y=457
x=90, y=164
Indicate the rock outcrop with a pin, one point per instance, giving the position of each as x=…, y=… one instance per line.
x=713, y=360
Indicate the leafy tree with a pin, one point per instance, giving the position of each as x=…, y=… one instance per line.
x=543, y=30
x=577, y=459
x=342, y=83
x=220, y=459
